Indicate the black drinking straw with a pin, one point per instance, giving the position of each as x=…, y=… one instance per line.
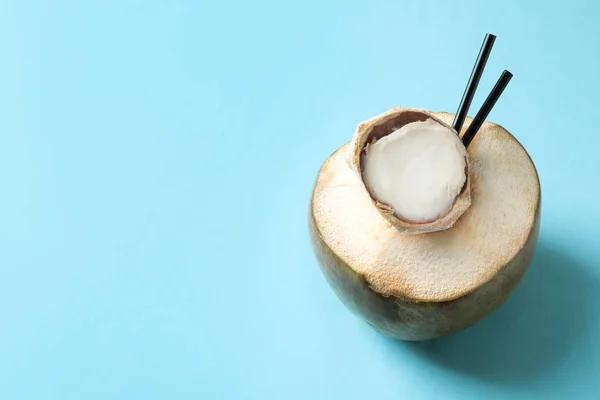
x=487, y=106
x=467, y=98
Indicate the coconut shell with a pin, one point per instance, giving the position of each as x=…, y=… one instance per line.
x=417, y=287
x=383, y=125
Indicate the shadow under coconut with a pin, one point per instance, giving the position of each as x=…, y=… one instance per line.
x=532, y=332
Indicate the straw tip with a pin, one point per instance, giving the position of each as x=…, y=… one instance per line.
x=506, y=77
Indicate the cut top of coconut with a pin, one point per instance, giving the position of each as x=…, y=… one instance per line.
x=418, y=170
x=415, y=169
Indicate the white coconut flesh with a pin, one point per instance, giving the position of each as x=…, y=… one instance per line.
x=418, y=170
x=439, y=266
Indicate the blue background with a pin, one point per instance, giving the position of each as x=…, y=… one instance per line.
x=156, y=163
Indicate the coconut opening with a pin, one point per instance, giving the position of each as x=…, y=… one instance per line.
x=418, y=170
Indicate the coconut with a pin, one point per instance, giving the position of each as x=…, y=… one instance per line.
x=425, y=278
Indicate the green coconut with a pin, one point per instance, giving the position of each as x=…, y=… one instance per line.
x=417, y=280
